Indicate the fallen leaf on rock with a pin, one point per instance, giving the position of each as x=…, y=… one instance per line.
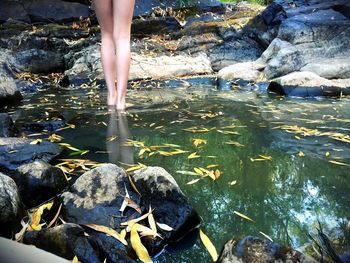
x=165, y=227
x=133, y=221
x=138, y=247
x=36, y=216
x=108, y=231
x=75, y=260
x=208, y=245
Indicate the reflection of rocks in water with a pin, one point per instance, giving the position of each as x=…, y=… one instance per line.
x=117, y=135
x=254, y=250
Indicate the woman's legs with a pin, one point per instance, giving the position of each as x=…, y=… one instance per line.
x=122, y=15
x=104, y=14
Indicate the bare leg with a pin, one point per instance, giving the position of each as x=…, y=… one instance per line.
x=122, y=14
x=104, y=14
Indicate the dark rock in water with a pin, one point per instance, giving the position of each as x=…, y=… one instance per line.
x=160, y=191
x=16, y=151
x=7, y=128
x=67, y=241
x=38, y=182
x=46, y=125
x=254, y=250
x=96, y=197
x=273, y=15
x=158, y=25
x=11, y=207
x=38, y=61
x=308, y=84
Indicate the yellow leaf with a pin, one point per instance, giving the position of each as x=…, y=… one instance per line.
x=108, y=231
x=233, y=182
x=339, y=163
x=186, y=172
x=75, y=260
x=269, y=238
x=36, y=216
x=217, y=173
x=133, y=221
x=198, y=171
x=144, y=231
x=193, y=181
x=138, y=247
x=327, y=154
x=136, y=167
x=165, y=227
x=212, y=166
x=152, y=222
x=193, y=155
x=301, y=154
x=208, y=245
x=243, y=216
x=37, y=141
x=198, y=142
x=234, y=143
x=123, y=233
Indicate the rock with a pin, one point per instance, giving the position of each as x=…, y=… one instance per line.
x=308, y=84
x=274, y=14
x=17, y=151
x=96, y=197
x=67, y=240
x=242, y=72
x=38, y=182
x=38, y=61
x=157, y=25
x=160, y=191
x=7, y=128
x=252, y=249
x=8, y=90
x=330, y=68
x=12, y=252
x=44, y=125
x=13, y=10
x=55, y=10
x=11, y=208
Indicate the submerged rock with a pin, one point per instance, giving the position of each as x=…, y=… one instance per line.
x=67, y=241
x=38, y=182
x=254, y=250
x=7, y=128
x=308, y=84
x=11, y=207
x=17, y=151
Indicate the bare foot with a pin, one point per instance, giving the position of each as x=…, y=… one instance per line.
x=121, y=105
x=111, y=99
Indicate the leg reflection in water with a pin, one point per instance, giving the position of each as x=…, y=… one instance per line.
x=117, y=135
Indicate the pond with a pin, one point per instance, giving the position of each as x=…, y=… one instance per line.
x=283, y=162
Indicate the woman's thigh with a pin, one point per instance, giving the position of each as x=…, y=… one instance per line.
x=122, y=14
x=104, y=14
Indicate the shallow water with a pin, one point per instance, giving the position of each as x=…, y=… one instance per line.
x=284, y=195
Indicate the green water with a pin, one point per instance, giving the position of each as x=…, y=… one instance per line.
x=285, y=196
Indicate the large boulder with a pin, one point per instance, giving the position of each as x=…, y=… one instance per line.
x=252, y=249
x=308, y=84
x=11, y=207
x=39, y=181
x=17, y=151
x=67, y=241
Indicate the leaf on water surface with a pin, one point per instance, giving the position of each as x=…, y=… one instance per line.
x=36, y=216
x=327, y=154
x=198, y=171
x=208, y=245
x=228, y=132
x=138, y=247
x=212, y=166
x=165, y=227
x=339, y=163
x=217, y=174
x=37, y=141
x=111, y=138
x=269, y=238
x=198, y=142
x=193, y=155
x=108, y=231
x=232, y=183
x=193, y=181
x=234, y=143
x=186, y=172
x=301, y=154
x=243, y=216
x=262, y=158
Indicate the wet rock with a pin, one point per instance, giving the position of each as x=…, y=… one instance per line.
x=7, y=128
x=308, y=84
x=157, y=25
x=38, y=61
x=12, y=251
x=252, y=249
x=38, y=182
x=67, y=240
x=17, y=151
x=45, y=125
x=8, y=90
x=160, y=191
x=274, y=14
x=11, y=208
x=96, y=197
x=13, y=10
x=330, y=68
